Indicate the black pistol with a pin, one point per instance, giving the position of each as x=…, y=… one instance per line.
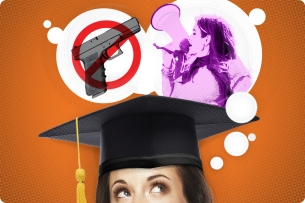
x=93, y=54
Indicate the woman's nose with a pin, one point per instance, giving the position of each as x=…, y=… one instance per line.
x=140, y=199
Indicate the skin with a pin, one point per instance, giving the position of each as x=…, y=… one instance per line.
x=205, y=81
x=200, y=46
x=137, y=185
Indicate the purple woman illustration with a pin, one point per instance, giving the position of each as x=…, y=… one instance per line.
x=203, y=66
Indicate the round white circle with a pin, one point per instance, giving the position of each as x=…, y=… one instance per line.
x=236, y=144
x=216, y=163
x=251, y=137
x=55, y=35
x=241, y=107
x=115, y=68
x=47, y=24
x=248, y=43
x=257, y=16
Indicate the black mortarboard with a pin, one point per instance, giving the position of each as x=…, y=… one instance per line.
x=147, y=132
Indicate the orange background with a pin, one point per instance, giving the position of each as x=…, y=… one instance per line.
x=34, y=98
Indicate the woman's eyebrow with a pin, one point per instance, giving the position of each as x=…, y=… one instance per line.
x=156, y=176
x=119, y=181
x=194, y=30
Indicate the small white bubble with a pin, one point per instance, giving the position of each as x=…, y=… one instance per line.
x=216, y=163
x=257, y=16
x=55, y=35
x=47, y=24
x=251, y=137
x=241, y=107
x=145, y=86
x=236, y=143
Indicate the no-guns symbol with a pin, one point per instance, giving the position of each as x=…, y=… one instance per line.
x=92, y=69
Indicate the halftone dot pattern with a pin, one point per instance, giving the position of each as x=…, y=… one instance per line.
x=272, y=170
x=34, y=99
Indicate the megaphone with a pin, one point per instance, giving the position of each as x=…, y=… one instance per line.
x=167, y=18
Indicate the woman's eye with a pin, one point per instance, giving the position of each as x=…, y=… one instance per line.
x=158, y=189
x=194, y=33
x=124, y=194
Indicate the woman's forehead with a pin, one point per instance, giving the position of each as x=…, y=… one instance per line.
x=196, y=28
x=142, y=172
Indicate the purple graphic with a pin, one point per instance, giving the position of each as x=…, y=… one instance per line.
x=202, y=66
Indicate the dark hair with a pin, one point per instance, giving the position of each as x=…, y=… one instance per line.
x=221, y=44
x=195, y=187
x=222, y=49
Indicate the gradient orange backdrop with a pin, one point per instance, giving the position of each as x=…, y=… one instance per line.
x=34, y=98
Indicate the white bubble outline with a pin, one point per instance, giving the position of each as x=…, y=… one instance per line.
x=47, y=23
x=240, y=17
x=218, y=159
x=152, y=68
x=251, y=138
x=257, y=12
x=230, y=101
x=68, y=73
x=53, y=37
x=229, y=138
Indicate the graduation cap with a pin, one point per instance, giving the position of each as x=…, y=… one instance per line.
x=147, y=132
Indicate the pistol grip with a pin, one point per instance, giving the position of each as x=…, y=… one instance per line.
x=95, y=78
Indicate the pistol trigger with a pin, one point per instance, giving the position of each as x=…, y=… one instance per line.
x=118, y=54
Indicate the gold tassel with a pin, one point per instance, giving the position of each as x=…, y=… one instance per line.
x=80, y=191
x=80, y=174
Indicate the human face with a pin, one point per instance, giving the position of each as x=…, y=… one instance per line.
x=137, y=185
x=185, y=46
x=198, y=43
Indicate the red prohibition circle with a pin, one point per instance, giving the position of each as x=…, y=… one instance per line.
x=136, y=56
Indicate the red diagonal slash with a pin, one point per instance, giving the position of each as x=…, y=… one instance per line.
x=92, y=69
